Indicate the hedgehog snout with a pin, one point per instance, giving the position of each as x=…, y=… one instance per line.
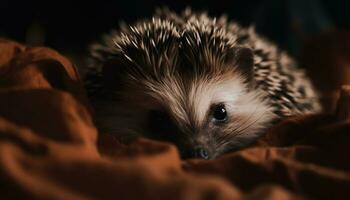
x=196, y=152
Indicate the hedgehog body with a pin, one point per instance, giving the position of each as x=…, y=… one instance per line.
x=205, y=84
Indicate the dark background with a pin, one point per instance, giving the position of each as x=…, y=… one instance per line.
x=70, y=26
x=315, y=32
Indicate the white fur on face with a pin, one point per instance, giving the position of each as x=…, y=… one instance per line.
x=207, y=91
x=247, y=111
x=189, y=106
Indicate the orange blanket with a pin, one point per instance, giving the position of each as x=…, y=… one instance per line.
x=50, y=149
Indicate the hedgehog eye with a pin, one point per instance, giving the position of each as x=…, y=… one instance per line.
x=220, y=113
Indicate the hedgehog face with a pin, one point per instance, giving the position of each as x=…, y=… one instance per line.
x=203, y=115
x=209, y=117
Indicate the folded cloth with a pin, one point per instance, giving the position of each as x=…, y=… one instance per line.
x=50, y=149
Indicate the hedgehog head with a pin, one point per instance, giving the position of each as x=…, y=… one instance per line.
x=187, y=83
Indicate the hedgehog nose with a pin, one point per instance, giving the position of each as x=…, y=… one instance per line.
x=199, y=152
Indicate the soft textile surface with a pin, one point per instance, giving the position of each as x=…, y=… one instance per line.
x=50, y=149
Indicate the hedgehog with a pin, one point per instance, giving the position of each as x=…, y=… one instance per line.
x=205, y=84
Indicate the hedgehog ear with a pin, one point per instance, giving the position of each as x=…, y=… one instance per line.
x=243, y=59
